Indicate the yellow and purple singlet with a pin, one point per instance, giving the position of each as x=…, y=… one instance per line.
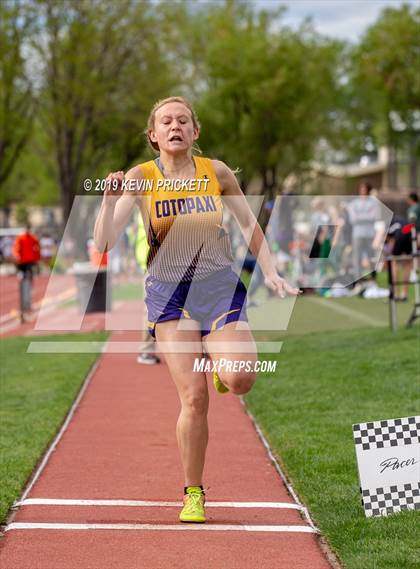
x=190, y=259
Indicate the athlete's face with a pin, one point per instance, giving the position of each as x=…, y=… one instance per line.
x=174, y=129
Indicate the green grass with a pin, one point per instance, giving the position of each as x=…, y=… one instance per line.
x=36, y=392
x=323, y=384
x=314, y=313
x=120, y=292
x=127, y=291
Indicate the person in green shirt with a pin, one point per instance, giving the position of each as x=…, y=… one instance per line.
x=413, y=212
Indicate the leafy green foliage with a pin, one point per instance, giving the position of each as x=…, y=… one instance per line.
x=385, y=79
x=16, y=93
x=269, y=90
x=103, y=69
x=270, y=99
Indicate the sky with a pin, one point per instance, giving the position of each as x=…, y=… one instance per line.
x=342, y=19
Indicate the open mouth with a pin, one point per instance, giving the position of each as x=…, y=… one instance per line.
x=175, y=138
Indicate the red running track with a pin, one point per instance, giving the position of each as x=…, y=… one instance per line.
x=44, y=289
x=121, y=445
x=9, y=292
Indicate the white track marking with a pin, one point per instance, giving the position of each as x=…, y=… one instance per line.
x=279, y=470
x=222, y=527
x=346, y=311
x=149, y=504
x=180, y=527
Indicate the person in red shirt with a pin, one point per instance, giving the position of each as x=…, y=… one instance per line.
x=27, y=253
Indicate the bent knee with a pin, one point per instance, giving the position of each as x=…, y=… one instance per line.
x=240, y=383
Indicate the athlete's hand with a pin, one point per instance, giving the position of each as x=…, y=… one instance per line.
x=276, y=283
x=113, y=190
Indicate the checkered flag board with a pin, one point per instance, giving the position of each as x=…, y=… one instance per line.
x=388, y=459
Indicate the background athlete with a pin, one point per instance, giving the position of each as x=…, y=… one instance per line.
x=27, y=253
x=189, y=274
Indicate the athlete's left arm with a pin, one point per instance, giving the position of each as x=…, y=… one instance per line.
x=251, y=229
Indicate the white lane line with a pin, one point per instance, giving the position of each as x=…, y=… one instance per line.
x=277, y=466
x=183, y=527
x=346, y=311
x=148, y=503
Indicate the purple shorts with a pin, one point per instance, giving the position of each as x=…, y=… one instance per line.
x=213, y=301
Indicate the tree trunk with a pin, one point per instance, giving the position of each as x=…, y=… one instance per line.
x=6, y=211
x=414, y=159
x=392, y=170
x=66, y=201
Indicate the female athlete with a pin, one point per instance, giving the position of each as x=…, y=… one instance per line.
x=195, y=302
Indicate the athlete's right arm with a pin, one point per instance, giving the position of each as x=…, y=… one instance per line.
x=116, y=209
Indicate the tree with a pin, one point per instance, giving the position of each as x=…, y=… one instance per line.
x=34, y=178
x=386, y=75
x=17, y=101
x=264, y=91
x=98, y=58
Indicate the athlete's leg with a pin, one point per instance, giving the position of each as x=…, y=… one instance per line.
x=21, y=276
x=25, y=284
x=406, y=271
x=236, y=377
x=192, y=428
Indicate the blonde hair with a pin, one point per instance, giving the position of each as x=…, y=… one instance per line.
x=158, y=105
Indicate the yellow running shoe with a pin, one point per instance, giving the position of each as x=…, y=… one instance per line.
x=218, y=385
x=193, y=510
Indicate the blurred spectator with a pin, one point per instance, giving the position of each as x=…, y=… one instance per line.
x=7, y=247
x=26, y=251
x=68, y=249
x=271, y=234
x=346, y=226
x=401, y=244
x=336, y=245
x=363, y=212
x=131, y=233
x=324, y=220
x=272, y=230
x=116, y=256
x=96, y=258
x=285, y=232
x=48, y=249
x=413, y=212
x=341, y=242
x=276, y=239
